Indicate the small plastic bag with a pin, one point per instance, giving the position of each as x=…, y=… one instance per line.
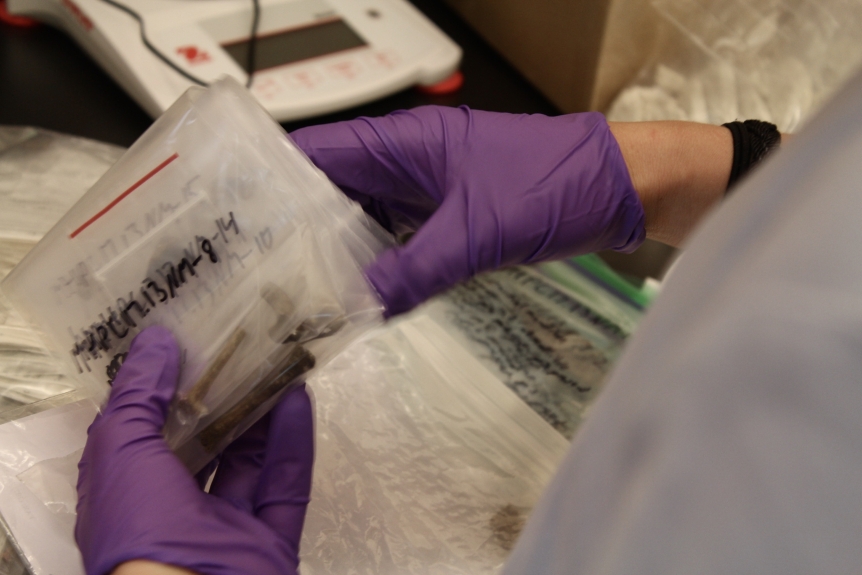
x=215, y=225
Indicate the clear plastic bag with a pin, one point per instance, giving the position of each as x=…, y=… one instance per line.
x=42, y=175
x=723, y=60
x=442, y=475
x=215, y=225
x=550, y=345
x=425, y=463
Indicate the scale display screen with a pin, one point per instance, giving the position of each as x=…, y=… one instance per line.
x=280, y=48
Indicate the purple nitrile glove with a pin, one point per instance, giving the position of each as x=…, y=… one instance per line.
x=483, y=189
x=137, y=501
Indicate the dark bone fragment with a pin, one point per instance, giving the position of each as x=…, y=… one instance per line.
x=298, y=362
x=192, y=403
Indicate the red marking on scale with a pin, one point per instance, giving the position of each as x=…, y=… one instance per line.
x=193, y=54
x=451, y=84
x=14, y=20
x=386, y=59
x=79, y=15
x=345, y=69
x=306, y=78
x=119, y=198
x=266, y=88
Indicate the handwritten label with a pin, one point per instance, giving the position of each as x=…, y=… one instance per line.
x=115, y=324
x=76, y=281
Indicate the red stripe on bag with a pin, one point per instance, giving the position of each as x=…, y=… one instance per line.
x=119, y=198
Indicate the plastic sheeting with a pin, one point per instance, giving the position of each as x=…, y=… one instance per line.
x=553, y=347
x=42, y=174
x=426, y=463
x=723, y=60
x=37, y=472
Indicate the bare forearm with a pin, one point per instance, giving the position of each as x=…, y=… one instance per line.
x=142, y=567
x=679, y=169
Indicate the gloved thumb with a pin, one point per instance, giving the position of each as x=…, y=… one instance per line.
x=145, y=384
x=437, y=257
x=284, y=487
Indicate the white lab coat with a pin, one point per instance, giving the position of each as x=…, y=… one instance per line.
x=729, y=438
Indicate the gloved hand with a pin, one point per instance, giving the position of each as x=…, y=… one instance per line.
x=488, y=190
x=137, y=501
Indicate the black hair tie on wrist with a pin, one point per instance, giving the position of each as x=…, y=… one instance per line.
x=753, y=140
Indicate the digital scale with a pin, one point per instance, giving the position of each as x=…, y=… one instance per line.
x=310, y=56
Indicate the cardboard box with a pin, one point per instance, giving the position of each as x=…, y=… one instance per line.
x=579, y=53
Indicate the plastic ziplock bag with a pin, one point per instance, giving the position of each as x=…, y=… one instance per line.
x=215, y=225
x=426, y=464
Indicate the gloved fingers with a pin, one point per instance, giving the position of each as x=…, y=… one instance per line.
x=437, y=257
x=127, y=471
x=355, y=157
x=285, y=480
x=128, y=432
x=132, y=420
x=236, y=479
x=399, y=161
x=147, y=380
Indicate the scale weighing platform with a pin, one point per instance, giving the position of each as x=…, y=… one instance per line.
x=310, y=56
